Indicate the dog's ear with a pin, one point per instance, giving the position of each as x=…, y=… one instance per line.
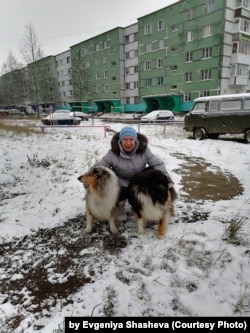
x=99, y=172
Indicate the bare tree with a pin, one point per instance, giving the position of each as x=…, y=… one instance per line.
x=31, y=52
x=31, y=48
x=10, y=64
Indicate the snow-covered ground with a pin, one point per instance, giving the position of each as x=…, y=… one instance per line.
x=50, y=269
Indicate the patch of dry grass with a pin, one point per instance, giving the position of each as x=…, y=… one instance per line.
x=27, y=129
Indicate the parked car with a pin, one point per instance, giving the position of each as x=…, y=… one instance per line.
x=62, y=111
x=79, y=114
x=158, y=115
x=60, y=119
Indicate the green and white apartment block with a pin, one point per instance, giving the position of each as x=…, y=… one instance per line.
x=167, y=59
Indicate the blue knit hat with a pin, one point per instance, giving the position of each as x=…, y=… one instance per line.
x=128, y=131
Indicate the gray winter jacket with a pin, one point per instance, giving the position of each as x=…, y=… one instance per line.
x=127, y=165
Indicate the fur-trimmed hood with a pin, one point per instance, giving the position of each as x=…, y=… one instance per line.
x=142, y=143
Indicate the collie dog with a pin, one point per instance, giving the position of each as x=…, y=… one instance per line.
x=102, y=193
x=151, y=196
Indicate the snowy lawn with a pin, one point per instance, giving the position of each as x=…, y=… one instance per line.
x=50, y=269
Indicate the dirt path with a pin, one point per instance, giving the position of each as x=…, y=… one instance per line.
x=203, y=181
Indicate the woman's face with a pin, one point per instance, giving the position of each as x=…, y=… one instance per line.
x=128, y=143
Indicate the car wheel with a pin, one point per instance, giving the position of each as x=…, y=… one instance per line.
x=199, y=133
x=247, y=136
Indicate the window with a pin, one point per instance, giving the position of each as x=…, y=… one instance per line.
x=113, y=78
x=159, y=63
x=190, y=14
x=207, y=53
x=245, y=25
x=148, y=82
x=207, y=31
x=175, y=48
x=231, y=105
x=135, y=35
x=105, y=74
x=174, y=28
x=105, y=88
x=147, y=65
x=105, y=60
x=190, y=36
x=113, y=63
x=208, y=7
x=148, y=29
x=160, y=81
x=68, y=60
x=127, y=85
x=189, y=56
x=188, y=77
x=136, y=69
x=126, y=39
x=173, y=68
x=204, y=94
x=213, y=105
x=240, y=70
x=97, y=47
x=243, y=3
x=206, y=74
x=131, y=54
x=98, y=75
x=160, y=25
x=97, y=62
x=98, y=89
x=187, y=97
x=173, y=86
x=148, y=47
x=247, y=104
x=160, y=44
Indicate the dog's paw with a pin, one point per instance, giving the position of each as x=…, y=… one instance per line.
x=160, y=236
x=114, y=230
x=141, y=231
x=88, y=230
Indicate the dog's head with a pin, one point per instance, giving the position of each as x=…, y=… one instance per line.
x=95, y=176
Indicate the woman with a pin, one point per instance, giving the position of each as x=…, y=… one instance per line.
x=129, y=154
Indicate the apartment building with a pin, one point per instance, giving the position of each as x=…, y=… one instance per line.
x=64, y=78
x=193, y=49
x=168, y=58
x=98, y=72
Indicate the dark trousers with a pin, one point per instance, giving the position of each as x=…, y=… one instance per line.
x=123, y=193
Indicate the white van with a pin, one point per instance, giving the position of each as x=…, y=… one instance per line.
x=222, y=114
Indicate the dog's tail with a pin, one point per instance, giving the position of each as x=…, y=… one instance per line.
x=172, y=191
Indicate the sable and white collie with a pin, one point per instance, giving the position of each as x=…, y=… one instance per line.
x=102, y=193
x=151, y=196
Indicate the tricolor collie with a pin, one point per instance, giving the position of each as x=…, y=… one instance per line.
x=102, y=192
x=151, y=196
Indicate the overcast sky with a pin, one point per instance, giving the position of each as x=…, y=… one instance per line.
x=60, y=24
